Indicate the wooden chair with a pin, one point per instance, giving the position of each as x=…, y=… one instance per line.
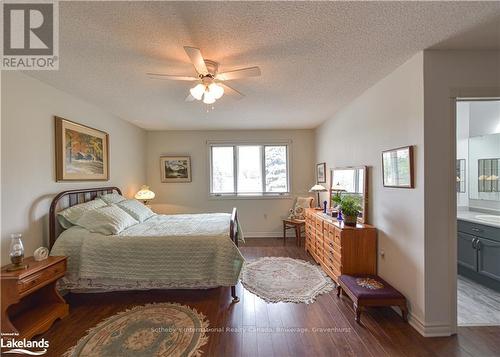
x=297, y=225
x=293, y=222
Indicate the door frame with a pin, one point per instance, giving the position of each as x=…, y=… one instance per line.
x=459, y=95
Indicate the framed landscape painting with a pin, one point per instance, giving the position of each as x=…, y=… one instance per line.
x=397, y=167
x=175, y=168
x=82, y=153
x=321, y=172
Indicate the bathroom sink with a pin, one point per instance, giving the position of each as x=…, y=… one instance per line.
x=488, y=218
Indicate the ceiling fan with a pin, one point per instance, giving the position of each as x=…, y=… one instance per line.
x=211, y=84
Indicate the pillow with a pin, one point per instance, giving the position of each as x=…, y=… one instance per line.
x=70, y=215
x=304, y=202
x=136, y=209
x=63, y=222
x=111, y=198
x=299, y=209
x=106, y=220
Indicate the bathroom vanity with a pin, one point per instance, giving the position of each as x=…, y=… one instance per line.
x=478, y=237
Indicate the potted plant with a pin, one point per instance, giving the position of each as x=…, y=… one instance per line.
x=350, y=208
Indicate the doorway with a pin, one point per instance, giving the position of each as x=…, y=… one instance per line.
x=478, y=211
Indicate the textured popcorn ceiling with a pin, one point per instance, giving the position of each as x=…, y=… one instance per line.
x=314, y=57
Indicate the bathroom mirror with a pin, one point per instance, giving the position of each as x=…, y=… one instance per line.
x=351, y=181
x=484, y=167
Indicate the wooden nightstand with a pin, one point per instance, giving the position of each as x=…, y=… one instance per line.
x=30, y=301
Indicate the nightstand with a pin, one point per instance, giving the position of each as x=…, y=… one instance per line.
x=30, y=301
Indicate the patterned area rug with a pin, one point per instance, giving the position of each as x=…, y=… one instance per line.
x=151, y=330
x=281, y=279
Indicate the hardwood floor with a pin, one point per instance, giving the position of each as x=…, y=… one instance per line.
x=324, y=328
x=477, y=304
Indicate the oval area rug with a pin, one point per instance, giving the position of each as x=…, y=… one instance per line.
x=150, y=330
x=283, y=279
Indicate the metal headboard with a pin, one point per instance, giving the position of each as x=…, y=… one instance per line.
x=70, y=198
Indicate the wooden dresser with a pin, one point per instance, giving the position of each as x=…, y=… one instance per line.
x=338, y=248
x=30, y=301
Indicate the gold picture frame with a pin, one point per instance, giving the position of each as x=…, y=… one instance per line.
x=81, y=152
x=175, y=168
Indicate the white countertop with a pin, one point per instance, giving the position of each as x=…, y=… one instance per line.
x=470, y=216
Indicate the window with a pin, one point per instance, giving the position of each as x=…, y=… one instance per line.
x=249, y=169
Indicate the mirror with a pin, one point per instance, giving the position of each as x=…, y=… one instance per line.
x=350, y=181
x=484, y=167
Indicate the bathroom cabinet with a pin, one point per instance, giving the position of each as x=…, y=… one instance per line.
x=479, y=252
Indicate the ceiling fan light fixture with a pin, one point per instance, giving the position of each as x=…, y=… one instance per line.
x=216, y=90
x=208, y=98
x=197, y=91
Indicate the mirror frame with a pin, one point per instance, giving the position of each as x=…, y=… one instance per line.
x=365, y=193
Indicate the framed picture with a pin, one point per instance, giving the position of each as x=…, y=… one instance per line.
x=175, y=168
x=82, y=152
x=321, y=172
x=397, y=167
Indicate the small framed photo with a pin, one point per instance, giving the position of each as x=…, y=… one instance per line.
x=82, y=152
x=321, y=172
x=175, y=168
x=397, y=167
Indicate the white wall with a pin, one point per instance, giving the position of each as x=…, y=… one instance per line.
x=447, y=74
x=482, y=147
x=388, y=115
x=27, y=139
x=484, y=117
x=259, y=217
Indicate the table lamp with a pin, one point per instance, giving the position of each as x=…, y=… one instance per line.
x=144, y=194
x=318, y=189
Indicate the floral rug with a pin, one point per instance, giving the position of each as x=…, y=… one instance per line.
x=152, y=330
x=282, y=279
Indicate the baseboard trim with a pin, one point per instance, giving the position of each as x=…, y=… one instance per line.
x=268, y=235
x=432, y=330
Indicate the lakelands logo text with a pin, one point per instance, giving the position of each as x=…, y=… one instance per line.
x=24, y=346
x=30, y=38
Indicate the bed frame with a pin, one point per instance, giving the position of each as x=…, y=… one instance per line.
x=70, y=198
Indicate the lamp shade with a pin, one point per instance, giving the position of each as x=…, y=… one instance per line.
x=208, y=97
x=338, y=187
x=197, y=91
x=216, y=90
x=144, y=194
x=318, y=188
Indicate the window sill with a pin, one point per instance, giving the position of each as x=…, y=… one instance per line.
x=286, y=196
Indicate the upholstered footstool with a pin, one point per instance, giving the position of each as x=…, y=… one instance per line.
x=370, y=290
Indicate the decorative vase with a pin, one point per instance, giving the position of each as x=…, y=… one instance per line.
x=350, y=220
x=16, y=252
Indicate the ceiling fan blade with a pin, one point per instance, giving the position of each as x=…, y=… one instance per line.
x=196, y=58
x=189, y=98
x=239, y=73
x=171, y=77
x=231, y=91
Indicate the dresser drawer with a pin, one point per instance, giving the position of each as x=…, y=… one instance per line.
x=334, y=246
x=335, y=270
x=43, y=277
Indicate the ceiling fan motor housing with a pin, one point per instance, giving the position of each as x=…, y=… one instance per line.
x=212, y=66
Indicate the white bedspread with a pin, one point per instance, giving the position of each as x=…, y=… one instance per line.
x=165, y=251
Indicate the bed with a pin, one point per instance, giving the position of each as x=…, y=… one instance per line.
x=185, y=251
